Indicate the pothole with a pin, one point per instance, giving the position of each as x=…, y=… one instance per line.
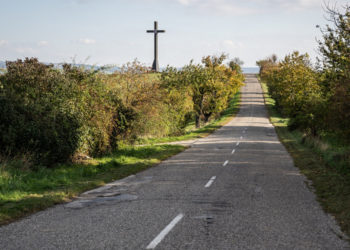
x=208, y=219
x=105, y=193
x=101, y=200
x=110, y=194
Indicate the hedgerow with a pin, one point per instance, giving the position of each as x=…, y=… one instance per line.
x=55, y=115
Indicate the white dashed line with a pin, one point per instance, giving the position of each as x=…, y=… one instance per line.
x=225, y=163
x=241, y=137
x=210, y=182
x=233, y=151
x=237, y=143
x=164, y=232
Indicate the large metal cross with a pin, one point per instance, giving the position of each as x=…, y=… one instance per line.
x=155, y=65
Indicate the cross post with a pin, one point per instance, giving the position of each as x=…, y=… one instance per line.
x=155, y=65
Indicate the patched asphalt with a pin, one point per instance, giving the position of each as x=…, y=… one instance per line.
x=258, y=200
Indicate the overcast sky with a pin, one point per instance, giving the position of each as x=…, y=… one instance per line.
x=114, y=31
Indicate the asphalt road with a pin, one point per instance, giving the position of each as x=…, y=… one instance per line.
x=236, y=189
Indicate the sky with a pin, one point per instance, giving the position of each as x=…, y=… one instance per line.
x=101, y=32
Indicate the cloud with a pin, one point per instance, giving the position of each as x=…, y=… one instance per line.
x=81, y=1
x=219, y=6
x=293, y=4
x=3, y=42
x=187, y=2
x=239, y=7
x=309, y=3
x=25, y=50
x=43, y=43
x=229, y=44
x=87, y=41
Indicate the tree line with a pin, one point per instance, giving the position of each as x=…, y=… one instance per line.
x=315, y=98
x=51, y=115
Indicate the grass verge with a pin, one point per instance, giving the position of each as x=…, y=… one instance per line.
x=24, y=191
x=194, y=133
x=325, y=163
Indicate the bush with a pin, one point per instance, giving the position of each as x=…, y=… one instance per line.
x=210, y=85
x=53, y=114
x=156, y=110
x=316, y=101
x=33, y=118
x=294, y=85
x=335, y=51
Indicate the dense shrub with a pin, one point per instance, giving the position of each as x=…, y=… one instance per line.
x=53, y=114
x=33, y=118
x=178, y=100
x=158, y=111
x=335, y=50
x=210, y=85
x=293, y=83
x=266, y=65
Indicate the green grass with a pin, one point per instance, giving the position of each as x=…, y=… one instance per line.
x=193, y=133
x=326, y=162
x=24, y=191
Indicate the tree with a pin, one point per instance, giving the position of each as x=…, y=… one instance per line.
x=335, y=46
x=235, y=65
x=267, y=65
x=335, y=51
x=294, y=85
x=210, y=85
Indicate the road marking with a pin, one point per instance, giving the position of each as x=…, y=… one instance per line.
x=164, y=232
x=237, y=143
x=225, y=163
x=233, y=151
x=241, y=137
x=210, y=182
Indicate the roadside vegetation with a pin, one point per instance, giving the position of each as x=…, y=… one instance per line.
x=310, y=108
x=53, y=116
x=191, y=132
x=63, y=131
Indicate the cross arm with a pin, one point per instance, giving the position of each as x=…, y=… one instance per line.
x=157, y=31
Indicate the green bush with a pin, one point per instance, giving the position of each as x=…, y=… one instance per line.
x=317, y=101
x=54, y=114
x=158, y=109
x=335, y=61
x=294, y=85
x=140, y=92
x=33, y=118
x=209, y=85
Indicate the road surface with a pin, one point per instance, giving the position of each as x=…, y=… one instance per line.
x=235, y=189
